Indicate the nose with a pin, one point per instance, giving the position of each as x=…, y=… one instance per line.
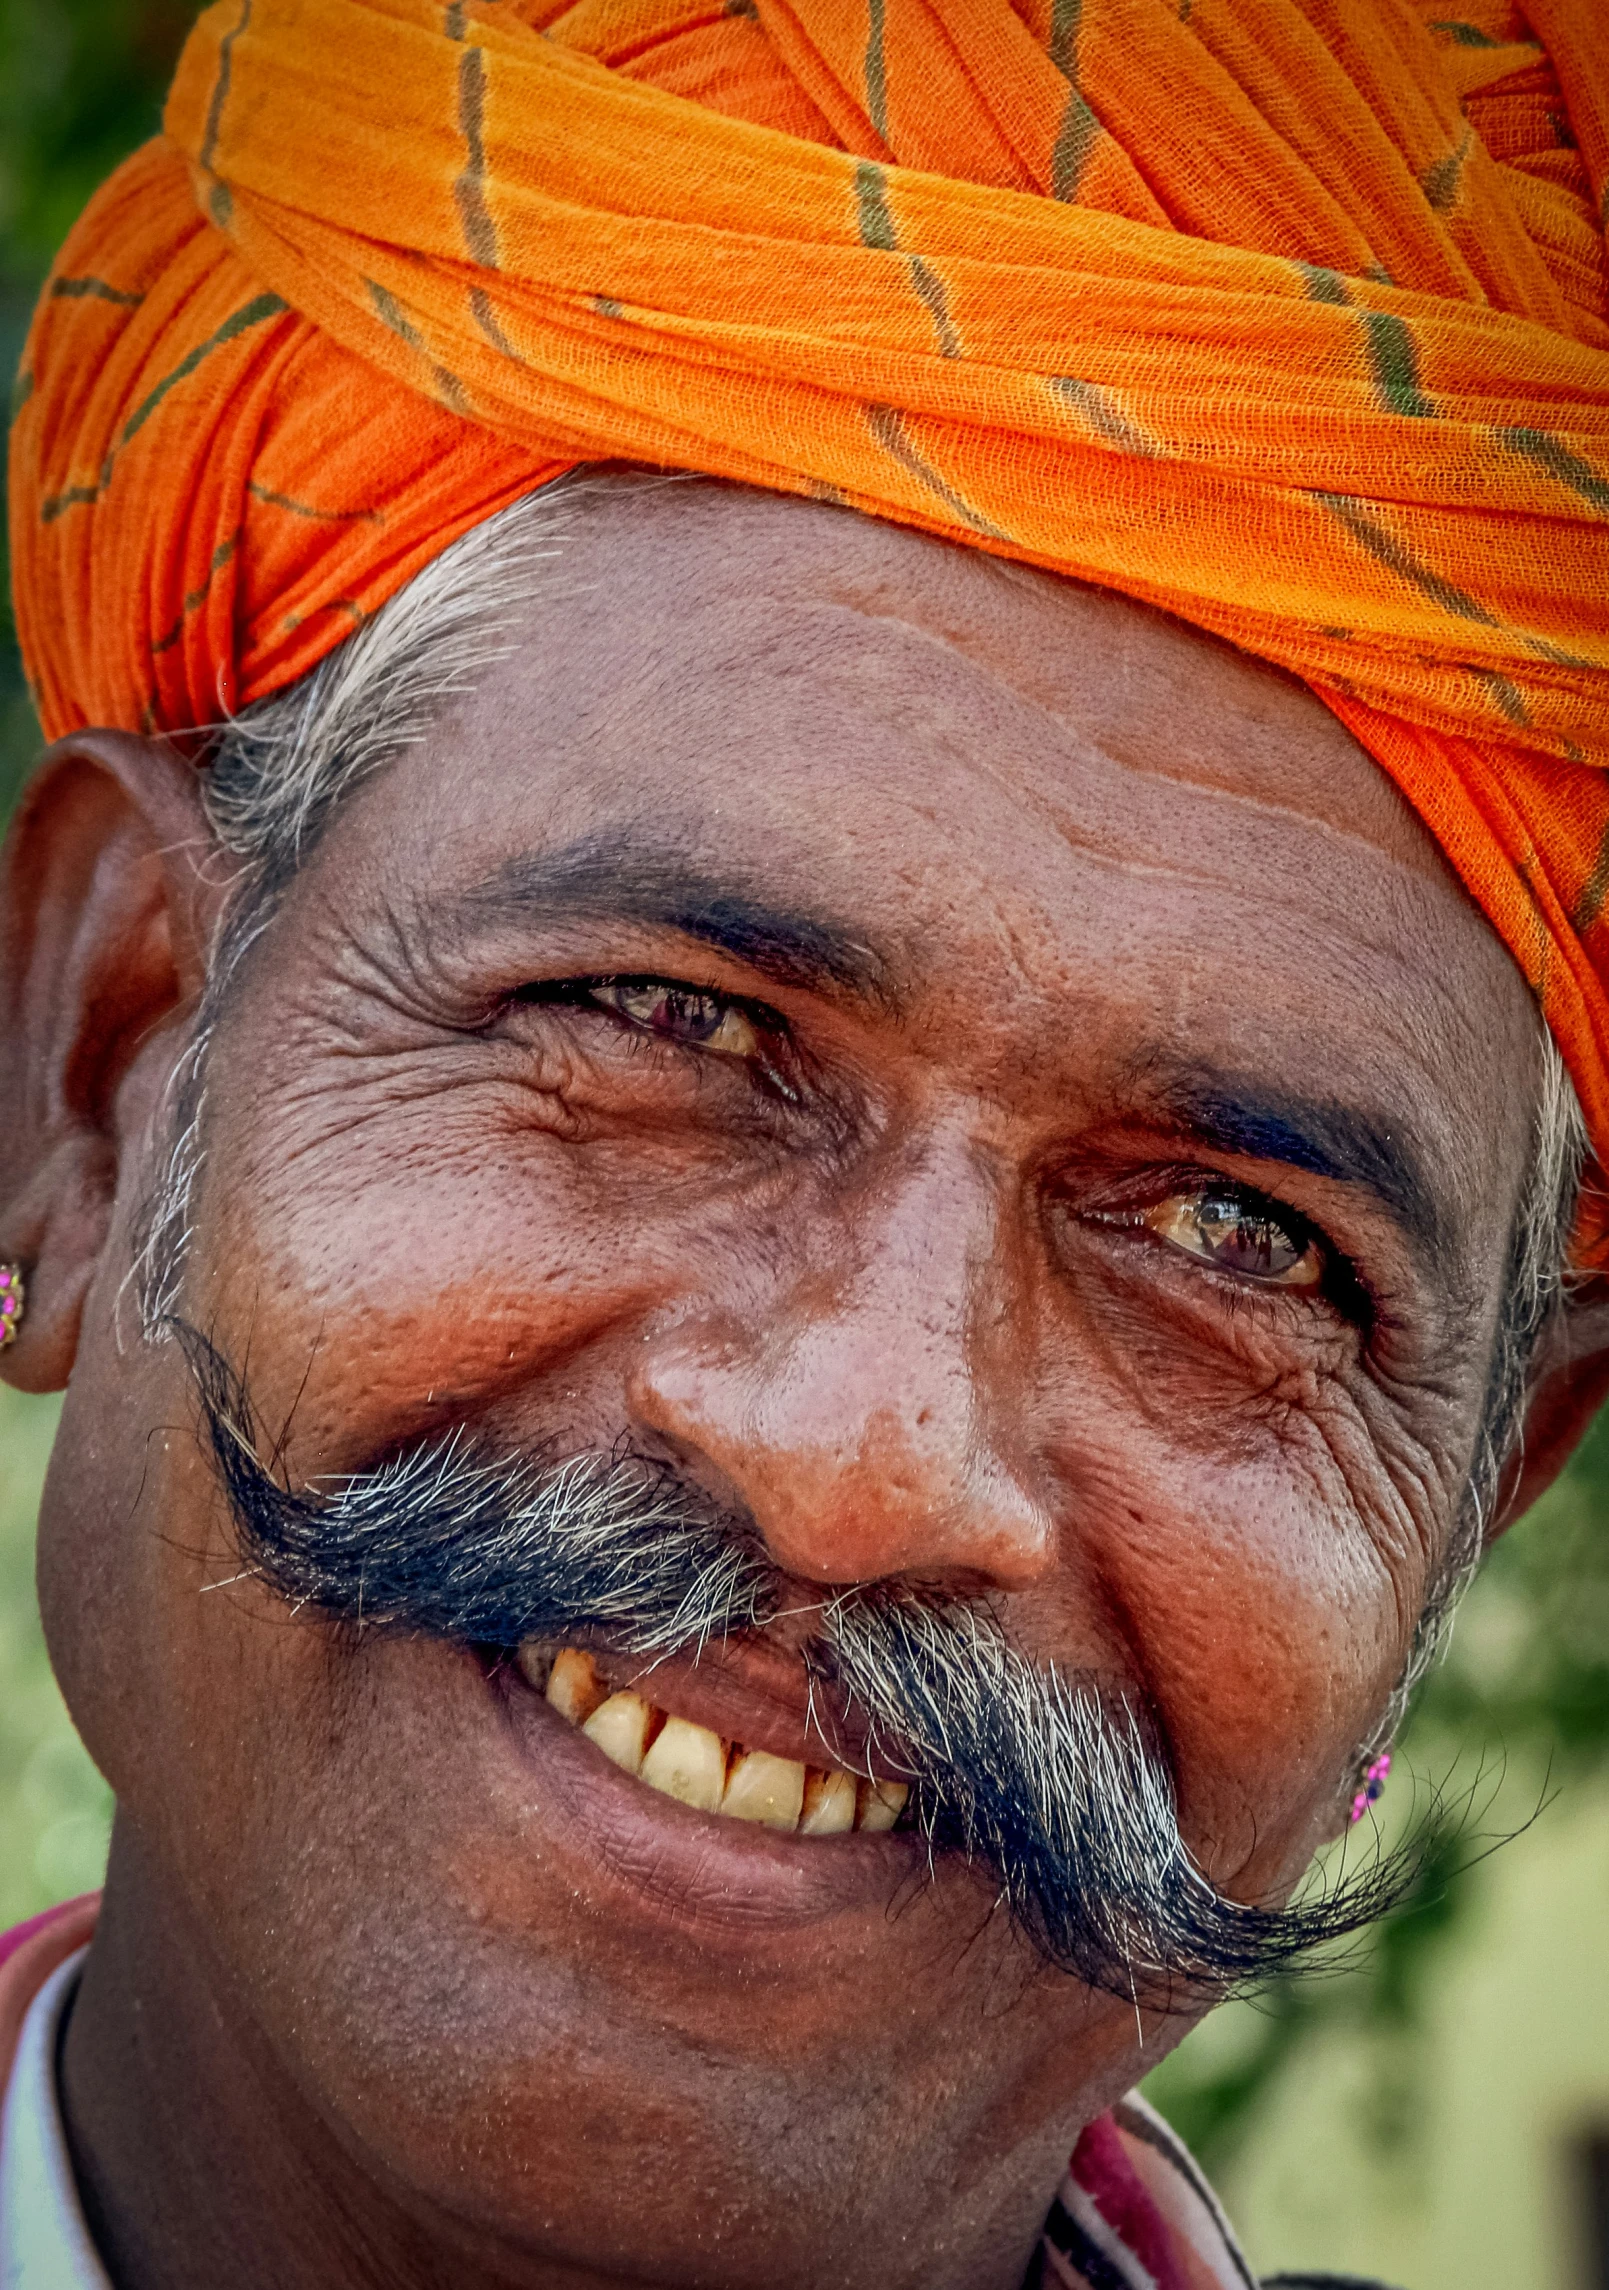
x=870, y=1419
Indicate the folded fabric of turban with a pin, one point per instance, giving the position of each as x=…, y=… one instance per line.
x=1292, y=319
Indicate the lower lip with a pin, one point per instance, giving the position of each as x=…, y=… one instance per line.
x=689, y=1867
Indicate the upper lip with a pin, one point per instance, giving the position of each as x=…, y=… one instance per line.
x=749, y=1690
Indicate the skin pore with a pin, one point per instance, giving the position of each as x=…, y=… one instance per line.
x=827, y=1008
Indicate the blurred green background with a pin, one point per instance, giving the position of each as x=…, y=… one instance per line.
x=1438, y=2113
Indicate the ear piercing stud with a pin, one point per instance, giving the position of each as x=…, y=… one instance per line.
x=1373, y=1782
x=13, y=1296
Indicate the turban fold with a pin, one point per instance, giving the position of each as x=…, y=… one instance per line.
x=1291, y=318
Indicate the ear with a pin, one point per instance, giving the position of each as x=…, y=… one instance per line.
x=105, y=918
x=1569, y=1383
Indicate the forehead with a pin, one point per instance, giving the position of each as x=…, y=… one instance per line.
x=1101, y=824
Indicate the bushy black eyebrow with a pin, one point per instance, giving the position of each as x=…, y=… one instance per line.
x=1347, y=1144
x=622, y=876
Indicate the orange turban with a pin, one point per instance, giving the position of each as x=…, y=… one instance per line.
x=1290, y=318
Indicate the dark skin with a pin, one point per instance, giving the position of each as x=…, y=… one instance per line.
x=1011, y=923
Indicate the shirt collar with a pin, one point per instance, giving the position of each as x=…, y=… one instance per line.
x=44, y=2242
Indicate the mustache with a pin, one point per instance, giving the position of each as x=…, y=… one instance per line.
x=1030, y=1772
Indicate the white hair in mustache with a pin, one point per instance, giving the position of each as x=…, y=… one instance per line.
x=1038, y=1775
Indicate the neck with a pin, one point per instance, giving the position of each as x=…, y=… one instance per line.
x=197, y=2160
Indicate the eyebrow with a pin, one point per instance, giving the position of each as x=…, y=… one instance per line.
x=621, y=877
x=1347, y=1144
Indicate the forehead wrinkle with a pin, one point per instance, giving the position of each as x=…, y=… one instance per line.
x=1279, y=728
x=1102, y=762
x=1159, y=667
x=1152, y=778
x=1036, y=928
x=806, y=613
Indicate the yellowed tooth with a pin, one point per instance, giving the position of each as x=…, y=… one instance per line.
x=619, y=1726
x=881, y=1804
x=574, y=1686
x=829, y=1805
x=687, y=1762
x=764, y=1788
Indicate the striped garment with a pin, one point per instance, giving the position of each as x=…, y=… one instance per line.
x=1133, y=2212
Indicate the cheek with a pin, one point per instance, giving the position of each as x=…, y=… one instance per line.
x=1260, y=1520
x=430, y=1255
x=1265, y=1583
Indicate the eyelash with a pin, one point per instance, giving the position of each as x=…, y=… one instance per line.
x=581, y=990
x=769, y=1025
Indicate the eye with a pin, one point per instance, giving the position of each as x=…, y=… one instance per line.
x=1242, y=1234
x=684, y=1014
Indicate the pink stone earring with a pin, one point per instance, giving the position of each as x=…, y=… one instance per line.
x=13, y=1296
x=1373, y=1782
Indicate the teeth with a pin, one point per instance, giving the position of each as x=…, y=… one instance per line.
x=881, y=1804
x=619, y=1726
x=574, y=1686
x=829, y=1805
x=691, y=1764
x=764, y=1788
x=687, y=1762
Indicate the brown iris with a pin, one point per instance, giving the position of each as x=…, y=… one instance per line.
x=1240, y=1234
x=685, y=1014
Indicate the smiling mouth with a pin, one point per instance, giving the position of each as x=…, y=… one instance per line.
x=697, y=1767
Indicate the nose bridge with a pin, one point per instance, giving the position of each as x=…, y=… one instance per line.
x=868, y=1425
x=921, y=1259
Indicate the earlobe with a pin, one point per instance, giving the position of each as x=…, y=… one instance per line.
x=105, y=918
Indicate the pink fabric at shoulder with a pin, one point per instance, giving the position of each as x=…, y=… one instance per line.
x=29, y=1953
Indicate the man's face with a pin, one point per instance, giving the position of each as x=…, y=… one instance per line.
x=999, y=1095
